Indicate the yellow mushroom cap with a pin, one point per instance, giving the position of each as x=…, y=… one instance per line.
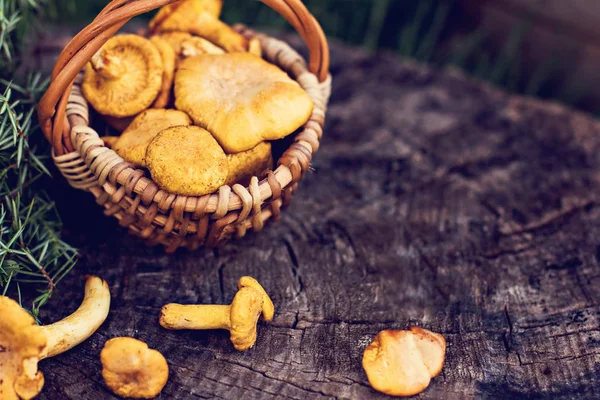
x=131, y=369
x=124, y=77
x=21, y=343
x=168, y=58
x=240, y=98
x=244, y=165
x=186, y=7
x=133, y=143
x=187, y=160
x=268, y=309
x=394, y=364
x=197, y=17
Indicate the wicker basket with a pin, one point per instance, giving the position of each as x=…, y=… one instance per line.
x=128, y=193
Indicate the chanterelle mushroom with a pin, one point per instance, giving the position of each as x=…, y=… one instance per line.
x=244, y=165
x=402, y=363
x=240, y=318
x=168, y=58
x=132, y=143
x=240, y=98
x=23, y=343
x=187, y=160
x=131, y=369
x=124, y=77
x=185, y=45
x=198, y=17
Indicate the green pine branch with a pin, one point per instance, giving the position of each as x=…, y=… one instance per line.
x=32, y=255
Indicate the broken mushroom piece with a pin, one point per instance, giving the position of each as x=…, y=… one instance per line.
x=130, y=369
x=402, y=363
x=239, y=318
x=198, y=17
x=168, y=58
x=124, y=77
x=244, y=165
x=132, y=143
x=240, y=98
x=187, y=160
x=23, y=343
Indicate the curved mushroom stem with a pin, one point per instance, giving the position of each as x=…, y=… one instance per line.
x=197, y=317
x=108, y=65
x=77, y=327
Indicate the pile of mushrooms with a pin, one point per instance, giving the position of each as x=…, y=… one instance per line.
x=195, y=103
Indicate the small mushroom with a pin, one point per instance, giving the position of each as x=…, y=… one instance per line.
x=198, y=17
x=132, y=143
x=244, y=165
x=187, y=160
x=402, y=363
x=130, y=369
x=240, y=318
x=23, y=343
x=124, y=77
x=168, y=58
x=240, y=98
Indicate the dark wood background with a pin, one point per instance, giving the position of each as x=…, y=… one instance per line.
x=434, y=201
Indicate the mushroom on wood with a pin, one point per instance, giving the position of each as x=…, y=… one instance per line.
x=239, y=318
x=402, y=363
x=23, y=343
x=130, y=369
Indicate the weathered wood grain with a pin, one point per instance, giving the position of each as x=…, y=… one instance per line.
x=434, y=201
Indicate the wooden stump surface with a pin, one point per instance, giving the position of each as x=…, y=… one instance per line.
x=435, y=201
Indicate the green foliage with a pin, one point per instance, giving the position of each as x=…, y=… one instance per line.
x=31, y=251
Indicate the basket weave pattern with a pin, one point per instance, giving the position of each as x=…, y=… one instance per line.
x=130, y=195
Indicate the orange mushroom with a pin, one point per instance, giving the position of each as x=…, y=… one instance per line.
x=241, y=99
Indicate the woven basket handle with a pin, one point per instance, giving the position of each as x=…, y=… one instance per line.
x=52, y=106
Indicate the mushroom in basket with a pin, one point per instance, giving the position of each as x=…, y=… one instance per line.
x=132, y=143
x=169, y=58
x=241, y=99
x=124, y=77
x=199, y=17
x=187, y=160
x=23, y=343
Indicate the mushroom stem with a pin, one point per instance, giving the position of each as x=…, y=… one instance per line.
x=197, y=317
x=107, y=65
x=77, y=327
